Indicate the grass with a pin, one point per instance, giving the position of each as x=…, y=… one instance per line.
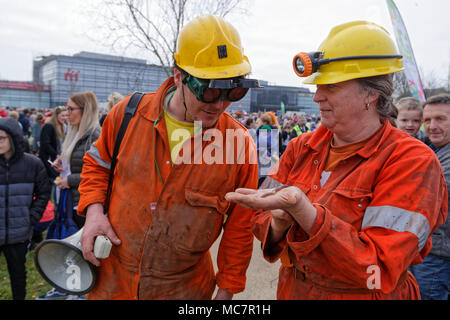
x=36, y=285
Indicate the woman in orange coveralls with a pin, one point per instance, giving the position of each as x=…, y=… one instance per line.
x=355, y=202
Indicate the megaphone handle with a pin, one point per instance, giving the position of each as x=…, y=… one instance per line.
x=102, y=247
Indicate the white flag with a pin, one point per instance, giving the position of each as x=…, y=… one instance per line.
x=404, y=45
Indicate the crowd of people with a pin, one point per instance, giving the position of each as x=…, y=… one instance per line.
x=353, y=201
x=56, y=139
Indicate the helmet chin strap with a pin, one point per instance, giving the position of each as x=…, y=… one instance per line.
x=184, y=103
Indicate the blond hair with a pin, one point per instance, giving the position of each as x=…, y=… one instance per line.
x=113, y=99
x=14, y=115
x=409, y=103
x=88, y=103
x=53, y=119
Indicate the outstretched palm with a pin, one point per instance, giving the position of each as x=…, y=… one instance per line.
x=267, y=199
x=286, y=204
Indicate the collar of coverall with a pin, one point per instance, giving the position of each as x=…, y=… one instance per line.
x=317, y=141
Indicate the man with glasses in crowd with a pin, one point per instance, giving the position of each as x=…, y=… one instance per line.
x=167, y=204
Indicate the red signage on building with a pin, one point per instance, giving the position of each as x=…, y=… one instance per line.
x=22, y=85
x=71, y=75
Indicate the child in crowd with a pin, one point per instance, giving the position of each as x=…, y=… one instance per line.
x=410, y=118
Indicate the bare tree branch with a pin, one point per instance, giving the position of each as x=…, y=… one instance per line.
x=153, y=26
x=401, y=87
x=153, y=42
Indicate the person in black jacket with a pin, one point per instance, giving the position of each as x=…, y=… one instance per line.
x=52, y=135
x=24, y=119
x=24, y=194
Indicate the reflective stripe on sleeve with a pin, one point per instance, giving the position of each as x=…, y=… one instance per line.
x=95, y=154
x=398, y=219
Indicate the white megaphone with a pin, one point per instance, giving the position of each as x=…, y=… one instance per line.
x=61, y=263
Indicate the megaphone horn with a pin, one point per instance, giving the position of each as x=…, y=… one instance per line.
x=61, y=263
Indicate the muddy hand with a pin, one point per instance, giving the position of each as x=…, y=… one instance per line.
x=97, y=224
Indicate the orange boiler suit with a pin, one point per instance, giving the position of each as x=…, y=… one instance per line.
x=375, y=216
x=166, y=230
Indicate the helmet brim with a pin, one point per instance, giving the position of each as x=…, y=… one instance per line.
x=336, y=77
x=218, y=72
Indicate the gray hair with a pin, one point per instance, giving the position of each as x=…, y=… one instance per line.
x=384, y=86
x=442, y=98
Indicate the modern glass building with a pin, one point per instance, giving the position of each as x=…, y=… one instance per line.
x=99, y=73
x=24, y=94
x=294, y=99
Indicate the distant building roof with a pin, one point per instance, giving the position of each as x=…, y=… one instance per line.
x=93, y=55
x=90, y=55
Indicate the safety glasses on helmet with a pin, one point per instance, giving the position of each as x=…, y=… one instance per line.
x=306, y=64
x=210, y=91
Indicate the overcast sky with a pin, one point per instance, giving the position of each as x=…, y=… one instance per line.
x=271, y=36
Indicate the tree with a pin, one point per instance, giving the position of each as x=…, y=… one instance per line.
x=448, y=79
x=153, y=26
x=433, y=83
x=401, y=88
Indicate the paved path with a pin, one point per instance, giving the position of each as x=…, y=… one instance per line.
x=262, y=276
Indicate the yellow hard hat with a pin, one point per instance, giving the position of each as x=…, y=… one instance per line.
x=353, y=50
x=210, y=48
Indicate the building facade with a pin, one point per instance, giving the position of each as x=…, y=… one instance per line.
x=294, y=99
x=24, y=94
x=99, y=73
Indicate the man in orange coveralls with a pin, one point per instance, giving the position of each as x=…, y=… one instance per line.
x=168, y=205
x=356, y=201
